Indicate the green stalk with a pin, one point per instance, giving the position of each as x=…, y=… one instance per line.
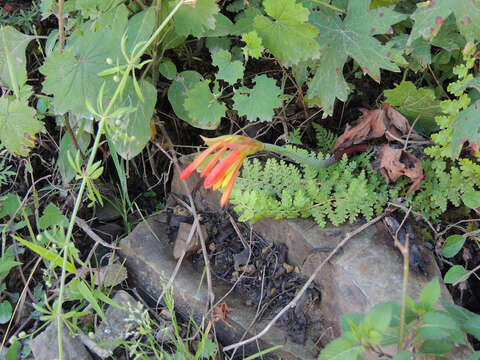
x=297, y=157
x=69, y=235
x=78, y=201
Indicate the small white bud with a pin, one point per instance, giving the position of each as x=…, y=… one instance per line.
x=116, y=78
x=109, y=61
x=118, y=122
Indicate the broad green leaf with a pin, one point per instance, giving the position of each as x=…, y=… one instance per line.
x=341, y=349
x=13, y=351
x=415, y=102
x=132, y=129
x=329, y=71
x=351, y=37
x=13, y=43
x=452, y=245
x=475, y=356
x=18, y=126
x=430, y=294
x=114, y=20
x=5, y=311
x=168, y=69
x=259, y=102
x=228, y=70
x=9, y=204
x=471, y=199
x=449, y=38
x=7, y=263
x=253, y=45
x=52, y=216
x=47, y=254
x=460, y=314
x=430, y=16
x=72, y=76
x=438, y=325
x=287, y=36
x=215, y=44
x=472, y=326
x=466, y=128
x=420, y=53
x=379, y=317
x=454, y=274
x=177, y=93
x=203, y=107
x=196, y=20
x=140, y=27
x=403, y=355
x=223, y=27
x=350, y=318
x=436, y=347
x=66, y=145
x=87, y=295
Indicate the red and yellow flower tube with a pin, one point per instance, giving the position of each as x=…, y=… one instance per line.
x=223, y=173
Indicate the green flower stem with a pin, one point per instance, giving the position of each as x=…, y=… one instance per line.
x=297, y=157
x=101, y=125
x=83, y=184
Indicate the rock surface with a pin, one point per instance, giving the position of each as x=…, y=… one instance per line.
x=367, y=271
x=108, y=334
x=182, y=238
x=45, y=345
x=150, y=263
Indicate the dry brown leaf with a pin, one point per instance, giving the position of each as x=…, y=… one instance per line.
x=393, y=163
x=221, y=311
x=374, y=124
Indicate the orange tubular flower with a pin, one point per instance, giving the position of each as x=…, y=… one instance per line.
x=222, y=173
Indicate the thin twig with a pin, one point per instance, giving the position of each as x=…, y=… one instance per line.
x=82, y=224
x=173, y=158
x=466, y=276
x=74, y=138
x=297, y=297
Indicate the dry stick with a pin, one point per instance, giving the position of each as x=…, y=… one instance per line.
x=416, y=214
x=74, y=138
x=193, y=210
x=257, y=314
x=466, y=276
x=98, y=240
x=297, y=297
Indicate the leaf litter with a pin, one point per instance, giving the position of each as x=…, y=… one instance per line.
x=391, y=161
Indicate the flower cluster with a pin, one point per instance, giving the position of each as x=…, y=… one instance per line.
x=222, y=173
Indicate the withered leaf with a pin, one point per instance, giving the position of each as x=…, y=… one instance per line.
x=393, y=163
x=374, y=124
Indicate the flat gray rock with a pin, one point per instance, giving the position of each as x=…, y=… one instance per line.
x=109, y=333
x=45, y=345
x=150, y=263
x=367, y=271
